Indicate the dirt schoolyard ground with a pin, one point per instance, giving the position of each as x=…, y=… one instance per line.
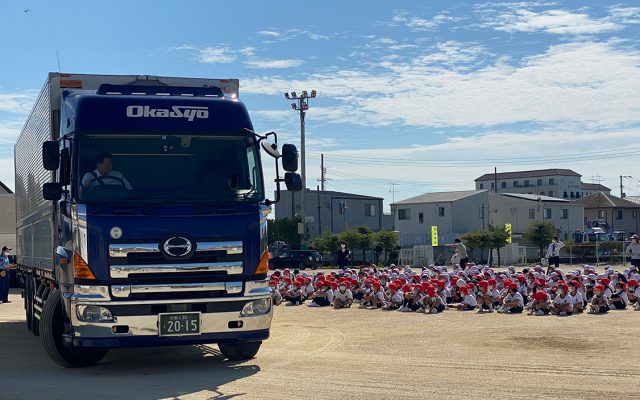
x=321, y=353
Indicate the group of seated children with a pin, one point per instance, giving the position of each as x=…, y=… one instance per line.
x=436, y=289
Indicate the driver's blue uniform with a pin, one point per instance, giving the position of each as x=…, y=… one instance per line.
x=90, y=179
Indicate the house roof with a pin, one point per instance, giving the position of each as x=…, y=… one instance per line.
x=332, y=193
x=5, y=188
x=535, y=197
x=528, y=174
x=594, y=186
x=440, y=197
x=634, y=199
x=603, y=200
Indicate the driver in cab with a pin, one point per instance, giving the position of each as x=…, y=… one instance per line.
x=104, y=174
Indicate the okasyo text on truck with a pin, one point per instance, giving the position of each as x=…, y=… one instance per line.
x=142, y=217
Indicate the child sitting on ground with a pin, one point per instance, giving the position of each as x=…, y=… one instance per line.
x=563, y=302
x=599, y=302
x=578, y=300
x=513, y=302
x=411, y=298
x=394, y=297
x=323, y=296
x=294, y=295
x=619, y=299
x=469, y=302
x=540, y=303
x=432, y=302
x=484, y=298
x=375, y=299
x=343, y=298
x=276, y=297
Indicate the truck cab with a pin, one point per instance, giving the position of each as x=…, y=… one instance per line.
x=159, y=221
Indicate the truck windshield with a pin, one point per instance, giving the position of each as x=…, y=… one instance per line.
x=176, y=168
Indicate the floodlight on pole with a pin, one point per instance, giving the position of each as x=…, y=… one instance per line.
x=301, y=105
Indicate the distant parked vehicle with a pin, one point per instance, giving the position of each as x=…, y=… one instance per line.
x=300, y=259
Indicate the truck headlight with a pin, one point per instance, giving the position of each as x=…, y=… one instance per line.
x=88, y=313
x=256, y=307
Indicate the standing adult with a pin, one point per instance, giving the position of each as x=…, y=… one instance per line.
x=5, y=265
x=344, y=256
x=633, y=251
x=461, y=251
x=553, y=253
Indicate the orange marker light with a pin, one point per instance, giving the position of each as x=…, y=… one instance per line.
x=80, y=268
x=263, y=265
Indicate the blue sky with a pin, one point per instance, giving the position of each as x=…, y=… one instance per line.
x=428, y=95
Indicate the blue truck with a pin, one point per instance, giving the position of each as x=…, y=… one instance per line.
x=142, y=217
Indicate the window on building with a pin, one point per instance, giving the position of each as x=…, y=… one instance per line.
x=421, y=218
x=369, y=210
x=566, y=195
x=541, y=193
x=504, y=185
x=516, y=184
x=564, y=213
x=404, y=214
x=526, y=183
x=573, y=195
x=634, y=214
x=539, y=182
x=440, y=211
x=552, y=181
x=532, y=213
x=550, y=193
x=618, y=214
x=493, y=185
x=482, y=186
x=547, y=213
x=601, y=213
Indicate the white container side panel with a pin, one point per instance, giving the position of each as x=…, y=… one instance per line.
x=34, y=215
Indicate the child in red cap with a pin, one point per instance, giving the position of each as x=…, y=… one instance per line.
x=599, y=302
x=343, y=298
x=484, y=298
x=469, y=301
x=323, y=296
x=619, y=299
x=294, y=295
x=513, y=302
x=432, y=302
x=540, y=302
x=276, y=297
x=563, y=302
x=578, y=300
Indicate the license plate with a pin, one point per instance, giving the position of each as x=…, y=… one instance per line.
x=179, y=324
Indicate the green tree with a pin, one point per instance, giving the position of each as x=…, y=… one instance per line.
x=475, y=240
x=365, y=239
x=497, y=237
x=326, y=243
x=286, y=230
x=388, y=240
x=539, y=234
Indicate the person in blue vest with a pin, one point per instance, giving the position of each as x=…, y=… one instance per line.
x=5, y=266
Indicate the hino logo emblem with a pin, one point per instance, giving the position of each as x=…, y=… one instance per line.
x=177, y=246
x=188, y=112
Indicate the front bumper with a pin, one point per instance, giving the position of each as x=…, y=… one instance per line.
x=220, y=321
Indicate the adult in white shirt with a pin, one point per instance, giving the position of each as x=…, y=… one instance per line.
x=553, y=253
x=104, y=174
x=633, y=251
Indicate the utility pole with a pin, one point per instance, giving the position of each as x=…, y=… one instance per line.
x=495, y=178
x=392, y=190
x=622, y=194
x=319, y=212
x=300, y=104
x=323, y=173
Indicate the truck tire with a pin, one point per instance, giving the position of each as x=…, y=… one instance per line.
x=239, y=351
x=52, y=328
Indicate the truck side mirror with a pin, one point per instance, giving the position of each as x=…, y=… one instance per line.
x=293, y=181
x=52, y=191
x=50, y=155
x=289, y=157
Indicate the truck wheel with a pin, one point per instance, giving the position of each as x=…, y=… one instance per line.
x=239, y=351
x=52, y=328
x=302, y=266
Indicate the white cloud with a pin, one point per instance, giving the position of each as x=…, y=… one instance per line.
x=625, y=15
x=9, y=131
x=559, y=22
x=269, y=33
x=216, y=55
x=273, y=64
x=247, y=51
x=586, y=83
x=18, y=102
x=422, y=24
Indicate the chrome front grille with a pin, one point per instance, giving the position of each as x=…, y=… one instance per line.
x=123, y=271
x=127, y=249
